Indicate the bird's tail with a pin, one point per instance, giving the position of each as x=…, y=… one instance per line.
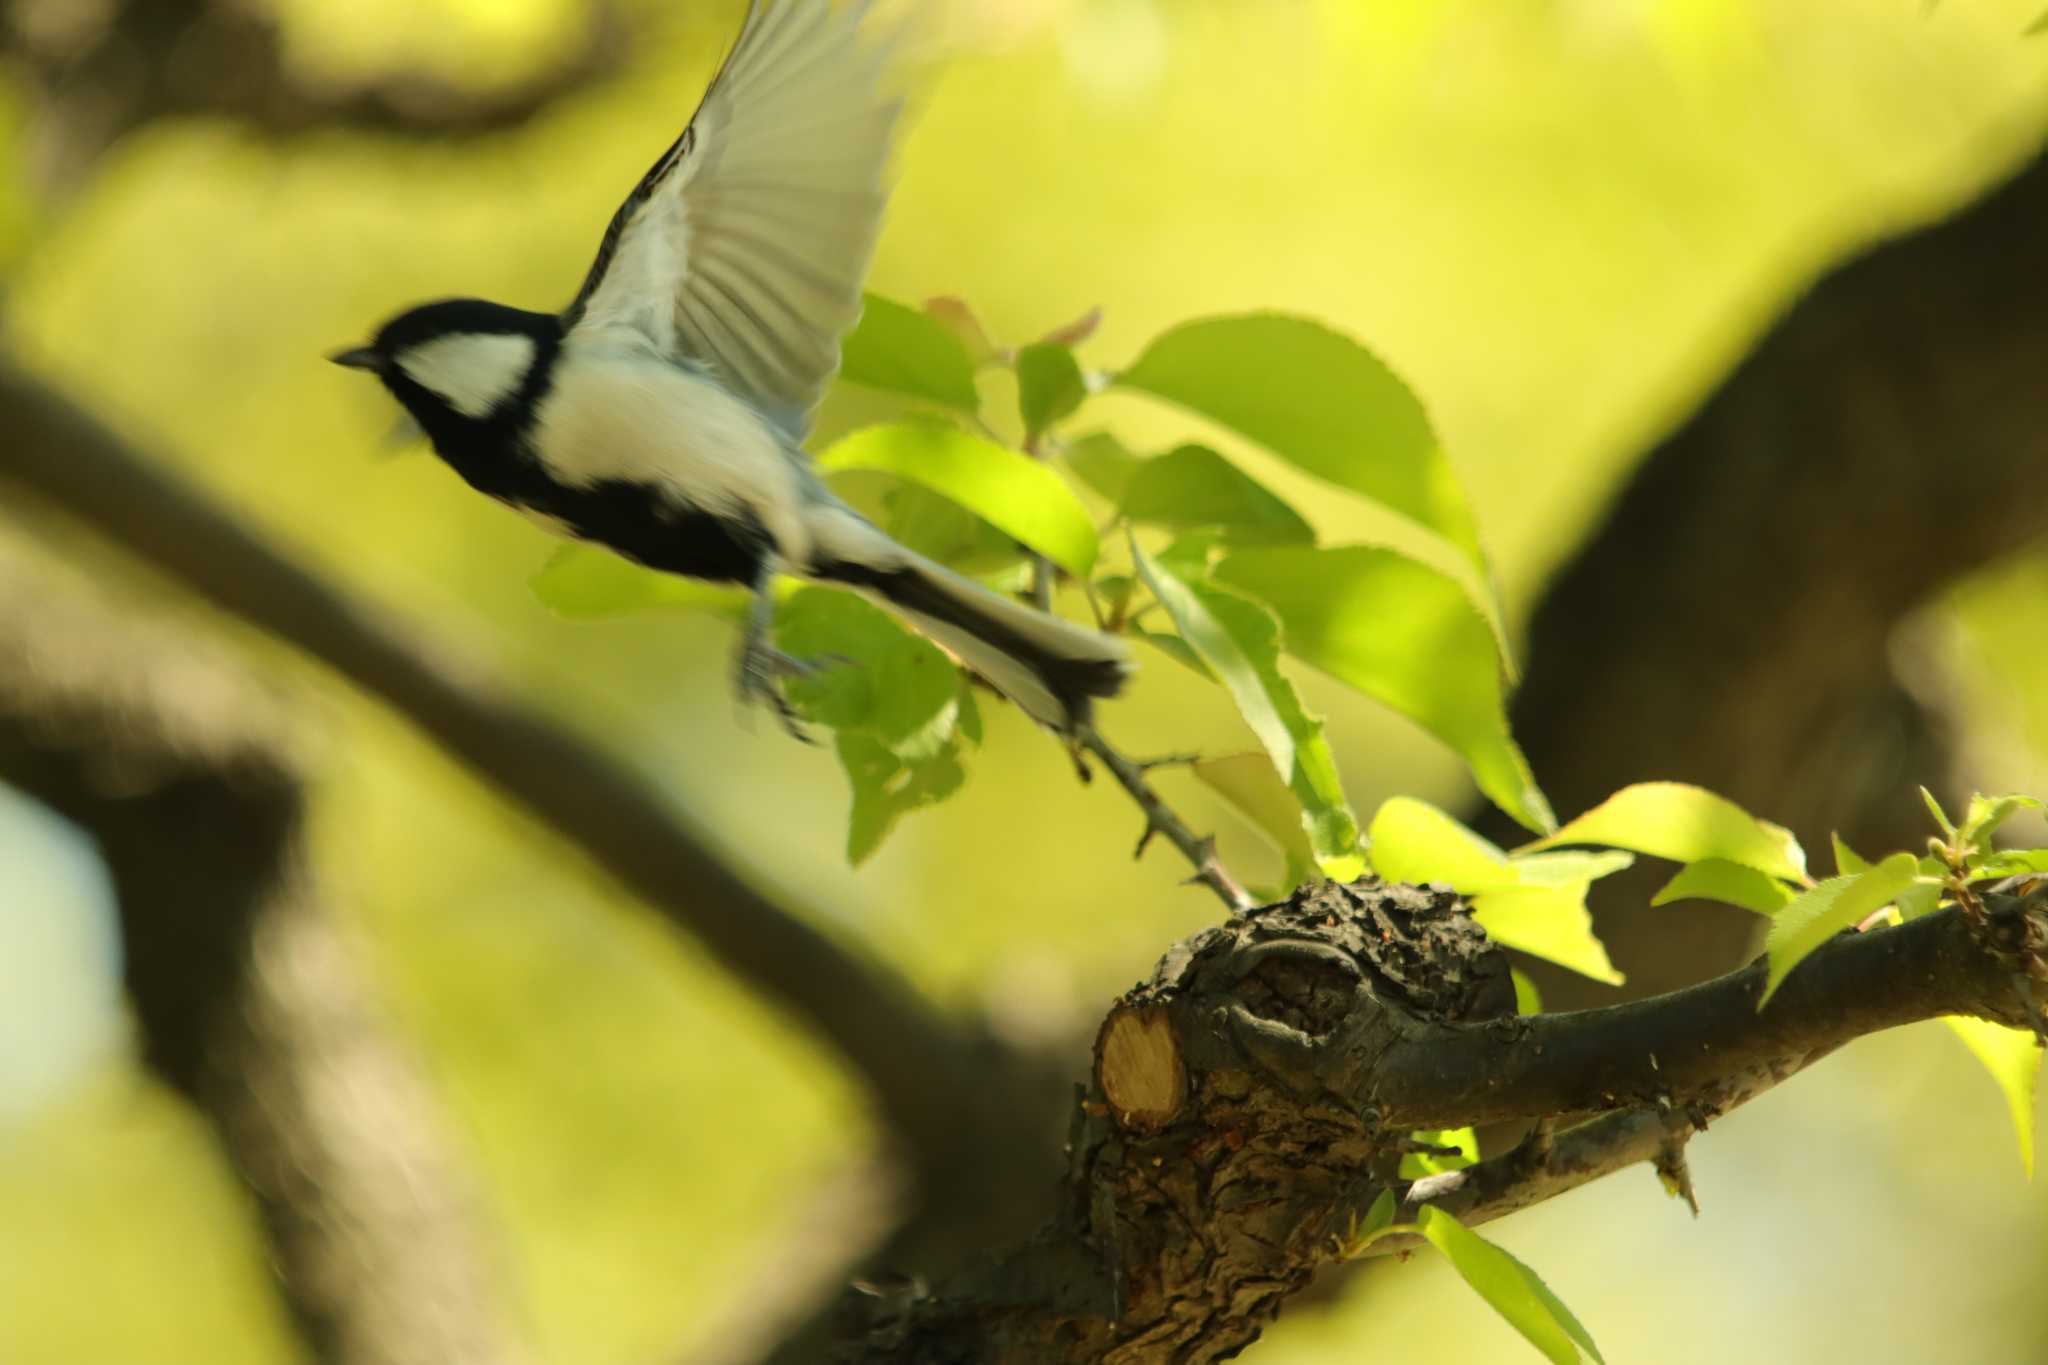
x=1052, y=668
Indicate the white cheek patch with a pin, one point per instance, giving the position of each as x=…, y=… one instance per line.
x=472, y=372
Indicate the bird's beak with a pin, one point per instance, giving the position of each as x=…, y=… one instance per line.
x=360, y=358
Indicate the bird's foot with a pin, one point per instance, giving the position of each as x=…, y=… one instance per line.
x=762, y=671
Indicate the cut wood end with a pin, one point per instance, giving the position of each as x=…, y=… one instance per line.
x=1138, y=1063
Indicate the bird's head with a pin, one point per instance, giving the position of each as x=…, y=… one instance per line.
x=460, y=366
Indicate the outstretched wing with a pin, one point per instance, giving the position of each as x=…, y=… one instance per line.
x=744, y=248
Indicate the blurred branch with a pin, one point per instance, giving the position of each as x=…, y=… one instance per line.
x=1249, y=1100
x=99, y=73
x=947, y=1095
x=1733, y=620
x=247, y=996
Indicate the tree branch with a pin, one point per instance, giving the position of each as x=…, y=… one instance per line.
x=101, y=75
x=1161, y=819
x=248, y=997
x=937, y=1088
x=1251, y=1099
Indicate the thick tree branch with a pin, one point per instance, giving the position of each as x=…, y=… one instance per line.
x=1691, y=1046
x=248, y=997
x=937, y=1088
x=1252, y=1097
x=1883, y=440
x=100, y=73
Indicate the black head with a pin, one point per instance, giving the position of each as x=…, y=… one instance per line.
x=462, y=367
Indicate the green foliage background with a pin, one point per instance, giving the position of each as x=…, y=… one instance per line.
x=1558, y=221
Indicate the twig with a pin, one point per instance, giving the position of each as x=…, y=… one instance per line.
x=917, y=1064
x=1160, y=819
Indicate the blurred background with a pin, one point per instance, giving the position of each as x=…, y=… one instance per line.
x=1564, y=222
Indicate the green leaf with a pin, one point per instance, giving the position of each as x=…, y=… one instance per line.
x=901, y=709
x=1407, y=636
x=1717, y=879
x=1194, y=487
x=1551, y=922
x=1569, y=865
x=1522, y=903
x=1412, y=841
x=1319, y=400
x=1177, y=649
x=1049, y=386
x=1380, y=1216
x=1934, y=809
x=1415, y=1165
x=1528, y=1000
x=1685, y=824
x=1514, y=1290
x=1102, y=462
x=904, y=351
x=934, y=526
x=2013, y=1057
x=957, y=316
x=1848, y=862
x=1834, y=905
x=1986, y=814
x=1240, y=641
x=1921, y=898
x=2015, y=862
x=887, y=787
x=1249, y=786
x=587, y=582
x=899, y=687
x=1012, y=492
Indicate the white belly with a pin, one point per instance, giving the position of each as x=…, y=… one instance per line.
x=621, y=416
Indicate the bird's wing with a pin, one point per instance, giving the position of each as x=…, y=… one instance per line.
x=744, y=248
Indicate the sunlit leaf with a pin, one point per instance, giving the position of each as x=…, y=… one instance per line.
x=2013, y=1057
x=1834, y=905
x=1565, y=866
x=898, y=686
x=1407, y=636
x=899, y=706
x=1319, y=400
x=1934, y=809
x=1413, y=841
x=1249, y=786
x=904, y=351
x=1012, y=492
x=932, y=524
x=1528, y=1000
x=1550, y=922
x=1240, y=641
x=1514, y=1290
x=1536, y=906
x=1685, y=824
x=1194, y=486
x=587, y=582
x=1717, y=879
x=1102, y=462
x=887, y=787
x=1848, y=862
x=1049, y=386
x=2016, y=862
x=1987, y=813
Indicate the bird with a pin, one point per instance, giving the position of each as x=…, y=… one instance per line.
x=662, y=414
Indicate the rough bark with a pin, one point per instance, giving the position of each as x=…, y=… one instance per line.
x=1251, y=1100
x=1733, y=620
x=248, y=996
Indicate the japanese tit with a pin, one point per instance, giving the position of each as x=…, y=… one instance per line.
x=662, y=413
